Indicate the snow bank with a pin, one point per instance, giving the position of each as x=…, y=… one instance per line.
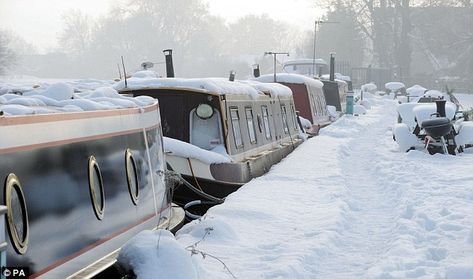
x=153, y=253
x=346, y=204
x=208, y=85
x=183, y=149
x=291, y=78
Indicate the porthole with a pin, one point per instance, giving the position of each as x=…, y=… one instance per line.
x=204, y=111
x=17, y=214
x=131, y=176
x=96, y=188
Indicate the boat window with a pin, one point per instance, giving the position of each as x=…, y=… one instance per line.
x=294, y=120
x=17, y=214
x=250, y=124
x=284, y=119
x=205, y=133
x=96, y=188
x=235, y=118
x=267, y=129
x=131, y=176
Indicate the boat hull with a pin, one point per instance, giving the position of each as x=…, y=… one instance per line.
x=220, y=180
x=65, y=231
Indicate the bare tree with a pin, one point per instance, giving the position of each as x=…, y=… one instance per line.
x=7, y=55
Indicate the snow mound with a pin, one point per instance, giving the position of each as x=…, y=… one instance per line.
x=359, y=110
x=153, y=253
x=424, y=111
x=305, y=123
x=404, y=137
x=365, y=103
x=332, y=111
x=394, y=85
x=369, y=87
x=416, y=91
x=465, y=133
x=145, y=74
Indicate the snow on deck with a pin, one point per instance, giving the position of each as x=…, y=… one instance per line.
x=345, y=204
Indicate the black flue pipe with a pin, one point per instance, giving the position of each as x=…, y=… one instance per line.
x=256, y=72
x=169, y=65
x=441, y=108
x=332, y=67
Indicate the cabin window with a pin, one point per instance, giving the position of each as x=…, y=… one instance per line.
x=284, y=119
x=267, y=129
x=294, y=120
x=17, y=214
x=235, y=118
x=131, y=176
x=250, y=124
x=96, y=188
x=205, y=127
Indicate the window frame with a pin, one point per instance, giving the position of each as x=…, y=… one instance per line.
x=238, y=144
x=253, y=140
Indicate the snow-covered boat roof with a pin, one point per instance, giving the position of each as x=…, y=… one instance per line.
x=291, y=78
x=61, y=97
x=305, y=62
x=337, y=76
x=416, y=90
x=394, y=85
x=219, y=86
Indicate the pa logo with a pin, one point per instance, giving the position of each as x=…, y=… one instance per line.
x=6, y=272
x=15, y=272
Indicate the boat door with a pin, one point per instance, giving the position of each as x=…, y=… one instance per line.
x=205, y=127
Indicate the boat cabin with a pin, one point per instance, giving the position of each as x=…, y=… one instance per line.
x=308, y=96
x=252, y=124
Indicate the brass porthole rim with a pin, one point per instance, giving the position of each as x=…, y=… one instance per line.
x=94, y=168
x=12, y=182
x=134, y=195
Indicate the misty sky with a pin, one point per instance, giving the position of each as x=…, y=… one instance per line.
x=39, y=21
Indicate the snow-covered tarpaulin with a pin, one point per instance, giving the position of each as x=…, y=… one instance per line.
x=345, y=204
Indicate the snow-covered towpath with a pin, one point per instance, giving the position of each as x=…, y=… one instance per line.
x=345, y=204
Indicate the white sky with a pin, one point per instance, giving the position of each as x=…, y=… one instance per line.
x=39, y=21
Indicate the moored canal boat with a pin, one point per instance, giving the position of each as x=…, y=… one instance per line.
x=224, y=133
x=83, y=173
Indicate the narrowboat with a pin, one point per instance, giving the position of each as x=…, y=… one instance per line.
x=82, y=174
x=309, y=98
x=221, y=133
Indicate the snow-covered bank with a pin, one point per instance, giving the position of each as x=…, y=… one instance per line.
x=346, y=204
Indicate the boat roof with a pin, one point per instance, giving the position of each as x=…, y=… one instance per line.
x=291, y=78
x=63, y=97
x=318, y=61
x=218, y=86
